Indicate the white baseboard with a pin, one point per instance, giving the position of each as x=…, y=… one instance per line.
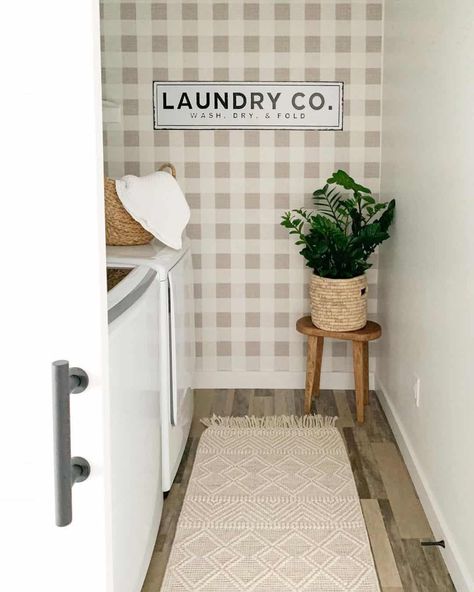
x=456, y=567
x=273, y=380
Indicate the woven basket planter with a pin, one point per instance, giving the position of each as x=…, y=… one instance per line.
x=120, y=228
x=339, y=305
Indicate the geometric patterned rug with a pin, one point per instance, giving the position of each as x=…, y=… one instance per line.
x=271, y=506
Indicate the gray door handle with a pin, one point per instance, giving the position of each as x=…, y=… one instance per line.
x=67, y=470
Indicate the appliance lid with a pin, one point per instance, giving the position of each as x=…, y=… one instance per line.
x=124, y=294
x=155, y=255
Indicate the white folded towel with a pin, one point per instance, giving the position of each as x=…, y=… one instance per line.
x=157, y=202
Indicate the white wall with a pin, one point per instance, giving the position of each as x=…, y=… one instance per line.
x=426, y=292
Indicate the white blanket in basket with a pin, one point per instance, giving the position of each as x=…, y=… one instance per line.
x=157, y=202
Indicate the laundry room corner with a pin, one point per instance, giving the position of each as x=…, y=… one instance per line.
x=241, y=357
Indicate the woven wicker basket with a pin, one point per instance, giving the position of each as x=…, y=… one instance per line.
x=339, y=305
x=120, y=228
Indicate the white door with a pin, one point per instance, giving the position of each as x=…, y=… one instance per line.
x=53, y=295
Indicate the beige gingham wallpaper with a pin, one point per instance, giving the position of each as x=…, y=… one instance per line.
x=250, y=282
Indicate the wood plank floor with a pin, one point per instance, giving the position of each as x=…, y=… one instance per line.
x=395, y=519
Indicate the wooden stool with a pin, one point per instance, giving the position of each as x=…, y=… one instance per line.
x=360, y=351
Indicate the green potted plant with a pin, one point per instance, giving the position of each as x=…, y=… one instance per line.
x=338, y=238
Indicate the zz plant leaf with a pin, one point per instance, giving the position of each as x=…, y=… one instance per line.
x=342, y=232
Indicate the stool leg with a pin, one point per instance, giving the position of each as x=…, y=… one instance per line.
x=313, y=369
x=358, y=361
x=365, y=364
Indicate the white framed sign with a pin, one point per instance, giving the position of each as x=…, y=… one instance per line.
x=248, y=105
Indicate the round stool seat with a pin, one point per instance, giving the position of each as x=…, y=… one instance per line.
x=371, y=331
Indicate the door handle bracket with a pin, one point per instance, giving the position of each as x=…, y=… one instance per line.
x=78, y=380
x=80, y=469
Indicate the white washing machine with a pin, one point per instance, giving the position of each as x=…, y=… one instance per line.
x=134, y=423
x=176, y=340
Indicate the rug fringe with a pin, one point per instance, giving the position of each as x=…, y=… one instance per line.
x=271, y=421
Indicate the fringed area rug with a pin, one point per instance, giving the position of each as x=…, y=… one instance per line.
x=271, y=506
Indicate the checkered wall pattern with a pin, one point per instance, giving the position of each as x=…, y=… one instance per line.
x=250, y=282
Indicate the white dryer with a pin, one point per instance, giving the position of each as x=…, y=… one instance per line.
x=176, y=338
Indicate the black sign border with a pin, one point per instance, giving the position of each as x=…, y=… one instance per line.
x=233, y=83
